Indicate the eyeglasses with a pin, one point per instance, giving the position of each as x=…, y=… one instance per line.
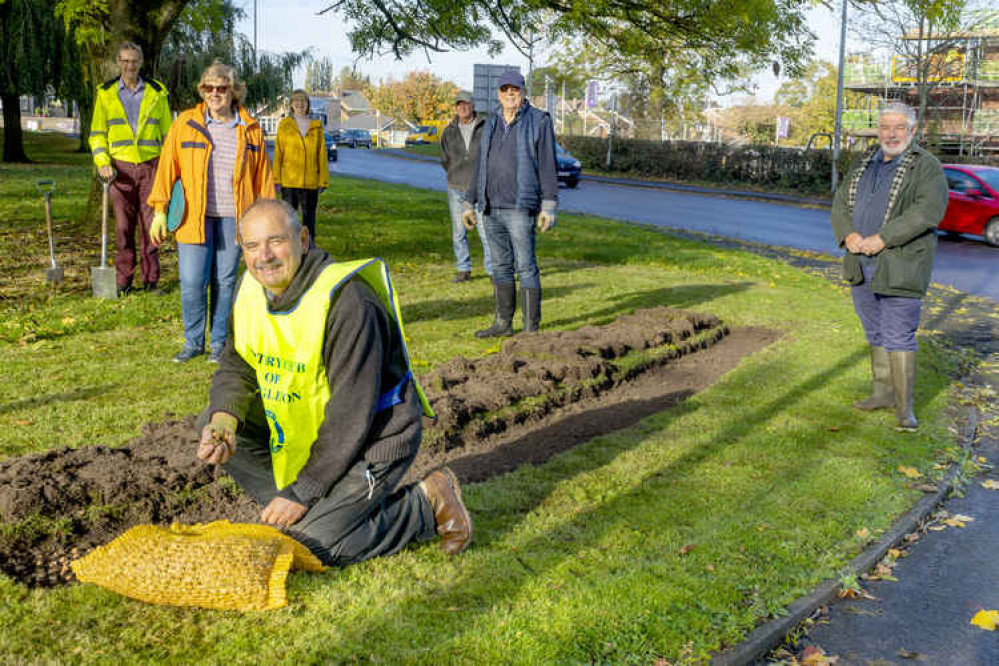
x=208, y=90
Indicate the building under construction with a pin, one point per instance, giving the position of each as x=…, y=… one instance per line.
x=961, y=73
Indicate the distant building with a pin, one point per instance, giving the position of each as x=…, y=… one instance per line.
x=962, y=114
x=486, y=85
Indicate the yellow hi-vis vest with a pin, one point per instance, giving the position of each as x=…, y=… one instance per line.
x=286, y=352
x=110, y=134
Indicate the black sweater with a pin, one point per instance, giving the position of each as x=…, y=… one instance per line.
x=364, y=357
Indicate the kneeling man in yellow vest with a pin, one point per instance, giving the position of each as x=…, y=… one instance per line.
x=314, y=408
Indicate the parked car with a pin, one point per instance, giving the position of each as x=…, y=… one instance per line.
x=430, y=133
x=355, y=138
x=330, y=139
x=569, y=168
x=973, y=206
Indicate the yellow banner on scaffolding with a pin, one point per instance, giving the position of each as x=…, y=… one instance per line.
x=947, y=66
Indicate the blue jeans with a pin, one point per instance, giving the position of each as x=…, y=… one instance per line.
x=459, y=236
x=212, y=265
x=511, y=241
x=889, y=321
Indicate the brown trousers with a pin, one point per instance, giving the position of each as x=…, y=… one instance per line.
x=128, y=193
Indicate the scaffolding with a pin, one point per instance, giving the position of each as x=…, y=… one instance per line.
x=962, y=112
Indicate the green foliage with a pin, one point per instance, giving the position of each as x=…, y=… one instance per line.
x=719, y=38
x=205, y=33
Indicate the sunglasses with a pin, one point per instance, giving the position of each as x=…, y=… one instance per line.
x=208, y=90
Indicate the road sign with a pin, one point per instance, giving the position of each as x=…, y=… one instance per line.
x=783, y=127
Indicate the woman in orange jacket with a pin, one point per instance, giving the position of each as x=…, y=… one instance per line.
x=301, y=165
x=217, y=151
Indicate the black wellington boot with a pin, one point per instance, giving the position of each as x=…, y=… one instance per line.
x=882, y=394
x=530, y=308
x=506, y=303
x=903, y=379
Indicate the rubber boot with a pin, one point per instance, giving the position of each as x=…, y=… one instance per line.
x=506, y=302
x=530, y=308
x=882, y=395
x=903, y=379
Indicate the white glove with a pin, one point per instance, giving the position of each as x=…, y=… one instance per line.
x=469, y=219
x=546, y=221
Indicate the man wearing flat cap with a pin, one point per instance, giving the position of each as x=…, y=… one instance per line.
x=515, y=187
x=459, y=148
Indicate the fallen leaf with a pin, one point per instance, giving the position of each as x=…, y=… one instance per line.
x=910, y=472
x=990, y=484
x=923, y=487
x=896, y=553
x=986, y=619
x=816, y=656
x=833, y=428
x=863, y=532
x=709, y=568
x=689, y=547
x=983, y=459
x=954, y=522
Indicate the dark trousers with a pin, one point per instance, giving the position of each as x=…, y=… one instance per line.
x=363, y=515
x=305, y=202
x=128, y=194
x=888, y=321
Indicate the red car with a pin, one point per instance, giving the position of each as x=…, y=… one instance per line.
x=974, y=201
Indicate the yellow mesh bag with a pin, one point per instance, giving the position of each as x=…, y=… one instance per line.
x=219, y=565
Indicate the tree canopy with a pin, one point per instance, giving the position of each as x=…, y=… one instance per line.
x=419, y=97
x=728, y=34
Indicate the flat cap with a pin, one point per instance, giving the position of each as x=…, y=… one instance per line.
x=464, y=96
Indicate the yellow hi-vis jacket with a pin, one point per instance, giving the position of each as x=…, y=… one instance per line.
x=110, y=134
x=285, y=351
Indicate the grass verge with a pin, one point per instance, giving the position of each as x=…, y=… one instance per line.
x=665, y=540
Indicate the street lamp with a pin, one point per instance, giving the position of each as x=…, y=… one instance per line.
x=838, y=129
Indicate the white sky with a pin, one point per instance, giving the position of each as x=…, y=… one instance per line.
x=292, y=25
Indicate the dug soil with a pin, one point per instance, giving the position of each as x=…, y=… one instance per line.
x=540, y=395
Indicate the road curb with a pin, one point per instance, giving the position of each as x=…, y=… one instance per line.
x=768, y=636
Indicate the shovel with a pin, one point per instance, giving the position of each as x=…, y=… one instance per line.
x=102, y=277
x=54, y=273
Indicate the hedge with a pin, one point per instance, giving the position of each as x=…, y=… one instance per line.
x=696, y=161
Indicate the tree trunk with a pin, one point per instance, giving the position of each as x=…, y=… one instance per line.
x=13, y=139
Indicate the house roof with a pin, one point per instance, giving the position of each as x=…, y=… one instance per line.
x=368, y=121
x=354, y=100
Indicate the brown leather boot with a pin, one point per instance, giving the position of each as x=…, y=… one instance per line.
x=454, y=524
x=882, y=395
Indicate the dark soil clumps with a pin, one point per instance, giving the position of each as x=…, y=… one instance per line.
x=541, y=394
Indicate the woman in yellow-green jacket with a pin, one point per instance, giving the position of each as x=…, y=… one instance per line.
x=301, y=168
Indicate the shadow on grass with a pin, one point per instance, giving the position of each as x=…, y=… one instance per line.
x=448, y=309
x=475, y=585
x=68, y=396
x=683, y=298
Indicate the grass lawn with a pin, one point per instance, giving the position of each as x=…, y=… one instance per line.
x=668, y=540
x=432, y=149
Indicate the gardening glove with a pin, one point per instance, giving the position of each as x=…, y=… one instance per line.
x=468, y=218
x=106, y=171
x=218, y=439
x=158, y=229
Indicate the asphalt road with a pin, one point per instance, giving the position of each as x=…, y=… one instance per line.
x=964, y=263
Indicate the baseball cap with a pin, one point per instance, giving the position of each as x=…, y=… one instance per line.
x=511, y=77
x=463, y=96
